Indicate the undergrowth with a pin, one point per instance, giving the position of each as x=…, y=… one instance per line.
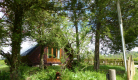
x=79, y=73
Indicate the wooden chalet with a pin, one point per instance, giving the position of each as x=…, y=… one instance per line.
x=52, y=55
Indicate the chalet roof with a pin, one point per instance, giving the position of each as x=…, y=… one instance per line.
x=29, y=51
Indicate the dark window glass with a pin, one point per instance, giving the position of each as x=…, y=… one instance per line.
x=54, y=52
x=49, y=52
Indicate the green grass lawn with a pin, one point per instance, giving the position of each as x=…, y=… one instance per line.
x=136, y=74
x=85, y=74
x=89, y=74
x=3, y=66
x=78, y=74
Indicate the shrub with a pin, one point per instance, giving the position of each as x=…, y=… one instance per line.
x=4, y=75
x=82, y=75
x=43, y=75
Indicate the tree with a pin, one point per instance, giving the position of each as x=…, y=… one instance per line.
x=70, y=46
x=106, y=26
x=76, y=14
x=15, y=11
x=129, y=14
x=97, y=19
x=44, y=29
x=15, y=17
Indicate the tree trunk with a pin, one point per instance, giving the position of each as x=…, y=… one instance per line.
x=77, y=42
x=16, y=41
x=96, y=56
x=42, y=57
x=77, y=34
x=68, y=49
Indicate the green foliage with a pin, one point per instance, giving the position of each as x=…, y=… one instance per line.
x=35, y=73
x=135, y=59
x=89, y=74
x=3, y=66
x=43, y=23
x=4, y=75
x=43, y=75
x=135, y=76
x=45, y=28
x=105, y=13
x=129, y=21
x=2, y=62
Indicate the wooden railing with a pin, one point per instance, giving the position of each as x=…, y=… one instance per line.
x=116, y=62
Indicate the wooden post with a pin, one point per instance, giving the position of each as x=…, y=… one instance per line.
x=133, y=68
x=112, y=74
x=60, y=53
x=52, y=52
x=92, y=61
x=131, y=75
x=115, y=62
x=46, y=52
x=128, y=69
x=105, y=61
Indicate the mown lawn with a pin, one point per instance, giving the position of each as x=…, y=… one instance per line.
x=136, y=75
x=3, y=66
x=34, y=73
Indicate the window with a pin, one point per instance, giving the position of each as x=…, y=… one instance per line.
x=58, y=53
x=49, y=52
x=54, y=52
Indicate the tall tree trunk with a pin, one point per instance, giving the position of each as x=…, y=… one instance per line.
x=16, y=41
x=77, y=35
x=42, y=57
x=77, y=41
x=69, y=51
x=96, y=56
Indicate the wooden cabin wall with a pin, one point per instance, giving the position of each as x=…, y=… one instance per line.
x=34, y=56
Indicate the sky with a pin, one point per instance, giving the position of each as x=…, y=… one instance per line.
x=25, y=45
x=1, y=14
x=135, y=49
